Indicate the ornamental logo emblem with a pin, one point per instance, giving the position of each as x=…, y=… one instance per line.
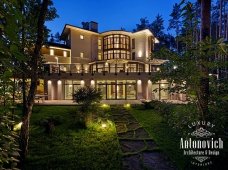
x=201, y=144
x=201, y=133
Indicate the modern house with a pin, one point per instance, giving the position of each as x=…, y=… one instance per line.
x=116, y=61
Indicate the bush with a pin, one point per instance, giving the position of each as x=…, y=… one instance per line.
x=88, y=97
x=50, y=123
x=176, y=115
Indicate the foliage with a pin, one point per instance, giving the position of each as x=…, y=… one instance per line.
x=70, y=147
x=157, y=28
x=186, y=67
x=9, y=149
x=87, y=96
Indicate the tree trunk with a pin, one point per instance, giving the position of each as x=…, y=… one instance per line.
x=203, y=94
x=24, y=136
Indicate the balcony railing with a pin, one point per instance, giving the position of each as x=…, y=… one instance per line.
x=75, y=68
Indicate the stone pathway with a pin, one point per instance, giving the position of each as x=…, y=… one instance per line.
x=139, y=150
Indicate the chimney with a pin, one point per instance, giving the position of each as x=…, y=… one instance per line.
x=93, y=26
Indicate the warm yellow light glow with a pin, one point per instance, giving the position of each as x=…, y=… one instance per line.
x=82, y=55
x=82, y=82
x=162, y=85
x=49, y=81
x=158, y=69
x=59, y=82
x=64, y=54
x=57, y=48
x=82, y=37
x=149, y=81
x=103, y=125
x=104, y=105
x=139, y=82
x=140, y=53
x=106, y=64
x=127, y=105
x=51, y=52
x=17, y=126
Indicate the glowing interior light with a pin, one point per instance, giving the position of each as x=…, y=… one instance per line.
x=140, y=54
x=139, y=81
x=59, y=82
x=64, y=54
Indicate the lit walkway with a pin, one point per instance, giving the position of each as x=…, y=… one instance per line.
x=138, y=149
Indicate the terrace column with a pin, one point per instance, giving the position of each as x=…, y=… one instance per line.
x=149, y=90
x=139, y=89
x=59, y=90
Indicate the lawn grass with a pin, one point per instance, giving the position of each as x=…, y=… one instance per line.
x=164, y=136
x=69, y=147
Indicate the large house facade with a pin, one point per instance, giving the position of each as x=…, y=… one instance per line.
x=117, y=62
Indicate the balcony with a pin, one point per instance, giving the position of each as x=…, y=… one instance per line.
x=90, y=69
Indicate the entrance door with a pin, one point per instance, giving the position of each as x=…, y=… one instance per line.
x=111, y=91
x=120, y=91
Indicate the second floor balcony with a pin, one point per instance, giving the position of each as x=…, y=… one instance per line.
x=100, y=68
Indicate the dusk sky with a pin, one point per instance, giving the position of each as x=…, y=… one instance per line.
x=110, y=14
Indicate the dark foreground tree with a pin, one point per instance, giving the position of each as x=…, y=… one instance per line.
x=203, y=93
x=32, y=39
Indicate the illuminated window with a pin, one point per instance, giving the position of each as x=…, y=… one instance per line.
x=99, y=56
x=82, y=55
x=99, y=44
x=64, y=54
x=51, y=52
x=82, y=37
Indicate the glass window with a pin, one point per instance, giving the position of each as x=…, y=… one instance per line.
x=52, y=52
x=133, y=43
x=131, y=91
x=82, y=55
x=68, y=91
x=64, y=54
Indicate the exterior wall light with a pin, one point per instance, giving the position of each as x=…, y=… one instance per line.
x=175, y=67
x=59, y=82
x=49, y=81
x=158, y=69
x=82, y=82
x=92, y=82
x=139, y=82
